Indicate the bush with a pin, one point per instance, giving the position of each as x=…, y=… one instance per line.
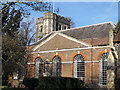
x=31, y=83
x=3, y=86
x=59, y=82
x=117, y=84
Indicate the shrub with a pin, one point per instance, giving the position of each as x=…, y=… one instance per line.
x=117, y=84
x=31, y=83
x=59, y=82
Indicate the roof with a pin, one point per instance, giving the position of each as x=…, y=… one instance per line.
x=117, y=36
x=91, y=31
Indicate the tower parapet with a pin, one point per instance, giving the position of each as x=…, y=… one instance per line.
x=50, y=22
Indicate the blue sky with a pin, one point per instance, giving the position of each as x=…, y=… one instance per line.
x=86, y=13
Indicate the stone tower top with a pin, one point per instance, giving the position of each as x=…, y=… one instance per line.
x=50, y=22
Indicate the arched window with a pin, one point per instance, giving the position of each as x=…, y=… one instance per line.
x=56, y=66
x=103, y=69
x=38, y=67
x=79, y=67
x=41, y=28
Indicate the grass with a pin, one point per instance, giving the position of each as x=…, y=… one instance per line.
x=14, y=89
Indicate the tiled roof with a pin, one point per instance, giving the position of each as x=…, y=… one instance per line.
x=92, y=31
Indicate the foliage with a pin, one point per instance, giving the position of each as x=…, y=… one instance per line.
x=13, y=52
x=117, y=27
x=10, y=24
x=31, y=83
x=59, y=82
x=3, y=86
x=13, y=13
x=14, y=89
x=13, y=48
x=117, y=84
x=12, y=56
x=72, y=23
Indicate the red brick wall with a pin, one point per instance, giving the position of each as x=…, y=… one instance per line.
x=92, y=69
x=117, y=37
x=59, y=42
x=97, y=41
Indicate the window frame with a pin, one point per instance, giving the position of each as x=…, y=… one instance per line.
x=58, y=66
x=42, y=68
x=103, y=69
x=75, y=67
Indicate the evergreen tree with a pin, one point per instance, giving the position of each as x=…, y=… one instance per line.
x=13, y=49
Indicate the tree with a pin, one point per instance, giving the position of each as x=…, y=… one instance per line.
x=10, y=24
x=13, y=48
x=71, y=22
x=12, y=55
x=117, y=27
x=27, y=31
x=13, y=13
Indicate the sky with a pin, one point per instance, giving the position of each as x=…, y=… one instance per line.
x=86, y=13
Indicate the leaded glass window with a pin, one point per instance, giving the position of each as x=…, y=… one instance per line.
x=56, y=66
x=79, y=67
x=103, y=69
x=38, y=67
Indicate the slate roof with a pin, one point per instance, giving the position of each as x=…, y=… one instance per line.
x=92, y=31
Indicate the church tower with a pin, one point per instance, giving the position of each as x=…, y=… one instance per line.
x=50, y=22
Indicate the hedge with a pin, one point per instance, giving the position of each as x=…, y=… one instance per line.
x=59, y=82
x=31, y=83
x=52, y=82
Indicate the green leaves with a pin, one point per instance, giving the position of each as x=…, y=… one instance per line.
x=12, y=52
x=13, y=47
x=14, y=12
x=117, y=27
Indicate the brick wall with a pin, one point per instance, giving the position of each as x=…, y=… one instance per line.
x=91, y=69
x=59, y=42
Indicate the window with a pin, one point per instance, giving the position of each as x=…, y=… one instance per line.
x=60, y=27
x=56, y=66
x=79, y=67
x=38, y=67
x=41, y=28
x=68, y=27
x=56, y=26
x=65, y=27
x=103, y=69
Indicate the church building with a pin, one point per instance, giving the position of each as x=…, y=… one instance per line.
x=88, y=53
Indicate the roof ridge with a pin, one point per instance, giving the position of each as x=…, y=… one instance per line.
x=87, y=26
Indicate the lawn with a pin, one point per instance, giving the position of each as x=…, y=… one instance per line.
x=14, y=89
